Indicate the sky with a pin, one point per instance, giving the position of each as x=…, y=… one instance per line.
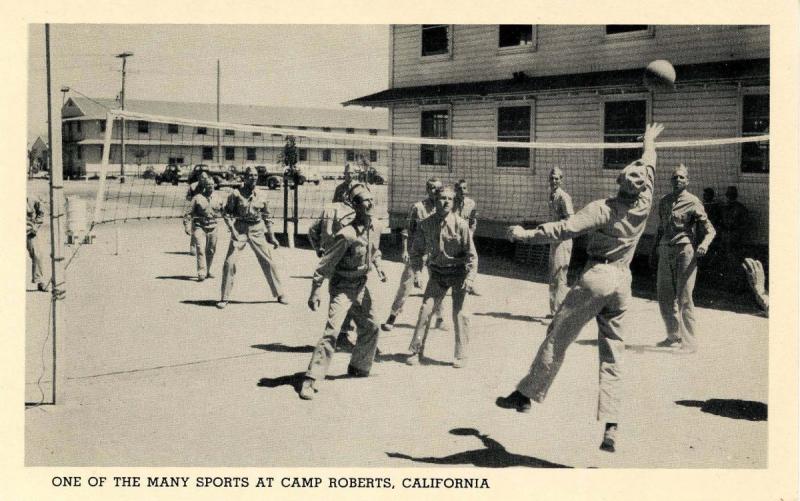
x=279, y=65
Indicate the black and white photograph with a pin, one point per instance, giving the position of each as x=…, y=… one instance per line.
x=363, y=258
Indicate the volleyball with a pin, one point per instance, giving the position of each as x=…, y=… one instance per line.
x=660, y=74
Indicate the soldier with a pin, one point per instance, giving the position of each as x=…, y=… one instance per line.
x=466, y=208
x=419, y=212
x=346, y=263
x=680, y=214
x=343, y=188
x=34, y=220
x=200, y=221
x=733, y=217
x=452, y=263
x=194, y=189
x=247, y=216
x=603, y=290
x=560, y=252
x=321, y=234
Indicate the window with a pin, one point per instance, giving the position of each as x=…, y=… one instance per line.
x=143, y=127
x=77, y=126
x=172, y=129
x=515, y=35
x=435, y=39
x=301, y=127
x=302, y=154
x=326, y=155
x=208, y=153
x=230, y=153
x=175, y=160
x=614, y=32
x=350, y=155
x=514, y=125
x=373, y=132
x=251, y=153
x=256, y=134
x=200, y=131
x=78, y=153
x=276, y=134
x=102, y=125
x=373, y=156
x=350, y=130
x=229, y=132
x=326, y=129
x=434, y=124
x=624, y=122
x=755, y=122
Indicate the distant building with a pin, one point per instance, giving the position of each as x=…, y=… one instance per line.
x=37, y=155
x=159, y=144
x=573, y=83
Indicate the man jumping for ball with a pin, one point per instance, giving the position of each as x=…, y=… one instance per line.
x=603, y=291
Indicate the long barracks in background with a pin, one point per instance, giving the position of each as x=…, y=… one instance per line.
x=157, y=144
x=583, y=84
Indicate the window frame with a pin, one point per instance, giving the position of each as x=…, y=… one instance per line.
x=228, y=132
x=323, y=154
x=436, y=57
x=247, y=153
x=648, y=117
x=173, y=129
x=517, y=49
x=348, y=154
x=232, y=151
x=201, y=131
x=749, y=91
x=530, y=103
x=437, y=107
x=204, y=150
x=649, y=32
x=302, y=154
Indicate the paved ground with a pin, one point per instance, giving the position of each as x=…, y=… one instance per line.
x=157, y=376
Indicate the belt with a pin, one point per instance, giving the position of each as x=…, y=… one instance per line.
x=601, y=260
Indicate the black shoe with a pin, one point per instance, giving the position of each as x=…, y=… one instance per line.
x=669, y=343
x=41, y=286
x=516, y=401
x=608, y=439
x=353, y=372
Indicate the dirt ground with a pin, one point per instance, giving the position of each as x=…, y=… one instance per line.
x=155, y=375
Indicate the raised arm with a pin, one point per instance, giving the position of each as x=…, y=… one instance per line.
x=593, y=216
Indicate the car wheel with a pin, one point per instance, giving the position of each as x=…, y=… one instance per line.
x=158, y=181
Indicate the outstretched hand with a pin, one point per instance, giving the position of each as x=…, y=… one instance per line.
x=652, y=131
x=514, y=233
x=755, y=275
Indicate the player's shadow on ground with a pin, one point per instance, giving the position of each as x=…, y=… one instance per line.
x=511, y=316
x=178, y=253
x=187, y=278
x=294, y=380
x=730, y=408
x=493, y=455
x=213, y=302
x=304, y=277
x=636, y=348
x=282, y=348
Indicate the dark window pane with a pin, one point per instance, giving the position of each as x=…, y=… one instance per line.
x=172, y=129
x=373, y=156
x=515, y=35
x=434, y=123
x=144, y=127
x=612, y=29
x=350, y=155
x=256, y=134
x=302, y=154
x=229, y=132
x=208, y=153
x=434, y=39
x=514, y=125
x=755, y=122
x=251, y=153
x=326, y=155
x=201, y=131
x=229, y=153
x=624, y=123
x=350, y=130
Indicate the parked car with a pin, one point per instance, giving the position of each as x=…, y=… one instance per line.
x=271, y=180
x=214, y=172
x=308, y=175
x=149, y=173
x=172, y=174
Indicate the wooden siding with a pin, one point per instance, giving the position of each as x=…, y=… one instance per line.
x=566, y=49
x=520, y=194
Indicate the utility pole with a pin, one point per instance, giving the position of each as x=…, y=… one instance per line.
x=124, y=56
x=219, y=138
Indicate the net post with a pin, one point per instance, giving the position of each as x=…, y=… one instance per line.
x=57, y=282
x=103, y=169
